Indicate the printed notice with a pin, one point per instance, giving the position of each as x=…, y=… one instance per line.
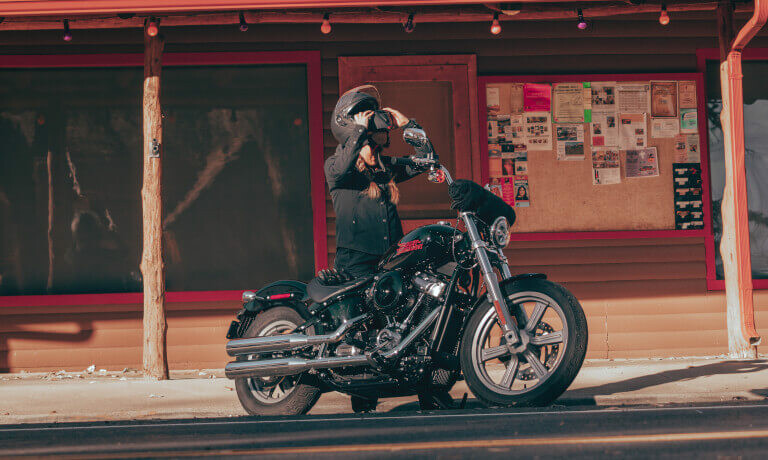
x=642, y=163
x=568, y=103
x=688, y=121
x=492, y=100
x=537, y=97
x=632, y=131
x=664, y=99
x=605, y=131
x=687, y=94
x=570, y=141
x=522, y=197
x=538, y=130
x=664, y=127
x=516, y=98
x=633, y=97
x=604, y=97
x=606, y=166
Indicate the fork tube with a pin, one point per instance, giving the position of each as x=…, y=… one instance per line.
x=491, y=280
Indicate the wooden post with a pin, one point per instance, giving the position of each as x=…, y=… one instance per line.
x=155, y=359
x=734, y=244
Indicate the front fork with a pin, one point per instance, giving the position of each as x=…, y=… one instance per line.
x=480, y=248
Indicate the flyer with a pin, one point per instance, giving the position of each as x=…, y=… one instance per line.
x=688, y=120
x=516, y=98
x=507, y=167
x=492, y=100
x=522, y=196
x=606, y=167
x=568, y=103
x=605, y=131
x=681, y=153
x=537, y=97
x=570, y=141
x=520, y=160
x=662, y=128
x=604, y=97
x=494, y=167
x=642, y=163
x=633, y=97
x=493, y=130
x=494, y=186
x=687, y=94
x=587, y=89
x=512, y=131
x=508, y=190
x=664, y=99
x=692, y=148
x=538, y=130
x=632, y=131
x=494, y=150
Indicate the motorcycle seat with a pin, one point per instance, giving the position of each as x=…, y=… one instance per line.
x=320, y=292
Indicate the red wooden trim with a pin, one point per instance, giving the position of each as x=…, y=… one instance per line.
x=317, y=178
x=702, y=56
x=542, y=236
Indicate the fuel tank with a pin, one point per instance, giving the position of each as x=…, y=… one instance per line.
x=428, y=245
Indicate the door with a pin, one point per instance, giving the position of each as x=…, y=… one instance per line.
x=440, y=92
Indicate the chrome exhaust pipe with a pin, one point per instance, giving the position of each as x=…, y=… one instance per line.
x=289, y=366
x=288, y=342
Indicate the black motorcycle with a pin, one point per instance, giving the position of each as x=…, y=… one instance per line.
x=442, y=304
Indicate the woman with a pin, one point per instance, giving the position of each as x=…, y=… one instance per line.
x=362, y=182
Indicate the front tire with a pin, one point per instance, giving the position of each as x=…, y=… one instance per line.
x=288, y=395
x=551, y=352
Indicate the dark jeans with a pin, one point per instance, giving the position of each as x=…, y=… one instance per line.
x=356, y=263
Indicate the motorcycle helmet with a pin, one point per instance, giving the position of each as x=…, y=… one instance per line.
x=354, y=101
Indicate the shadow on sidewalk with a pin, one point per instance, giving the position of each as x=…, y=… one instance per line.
x=586, y=395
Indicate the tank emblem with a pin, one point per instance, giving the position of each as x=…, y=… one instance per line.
x=409, y=246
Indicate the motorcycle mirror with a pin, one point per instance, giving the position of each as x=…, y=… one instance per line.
x=417, y=138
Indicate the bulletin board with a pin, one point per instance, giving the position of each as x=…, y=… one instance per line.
x=562, y=193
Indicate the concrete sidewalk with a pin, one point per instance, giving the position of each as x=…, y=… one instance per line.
x=66, y=397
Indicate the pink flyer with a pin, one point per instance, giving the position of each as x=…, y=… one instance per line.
x=537, y=97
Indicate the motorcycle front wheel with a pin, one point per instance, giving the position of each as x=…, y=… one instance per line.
x=540, y=368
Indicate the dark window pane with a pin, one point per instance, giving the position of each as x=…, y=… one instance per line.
x=756, y=140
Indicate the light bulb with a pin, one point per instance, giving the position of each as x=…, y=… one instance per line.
x=495, y=25
x=326, y=26
x=243, y=24
x=409, y=26
x=67, y=37
x=582, y=24
x=152, y=28
x=663, y=17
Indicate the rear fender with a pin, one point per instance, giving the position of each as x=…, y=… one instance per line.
x=284, y=293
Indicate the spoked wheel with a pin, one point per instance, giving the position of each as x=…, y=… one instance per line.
x=280, y=395
x=534, y=372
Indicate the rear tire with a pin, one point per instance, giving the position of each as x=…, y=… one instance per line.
x=296, y=400
x=556, y=361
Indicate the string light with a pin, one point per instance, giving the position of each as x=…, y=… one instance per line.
x=495, y=25
x=582, y=24
x=326, y=26
x=153, y=29
x=243, y=24
x=67, y=33
x=409, y=26
x=663, y=17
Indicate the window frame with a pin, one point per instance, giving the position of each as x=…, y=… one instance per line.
x=702, y=56
x=311, y=59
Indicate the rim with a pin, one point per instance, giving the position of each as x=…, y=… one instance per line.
x=272, y=390
x=524, y=368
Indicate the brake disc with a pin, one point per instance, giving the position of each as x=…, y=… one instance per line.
x=550, y=352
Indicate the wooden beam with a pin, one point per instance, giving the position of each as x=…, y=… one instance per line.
x=725, y=27
x=529, y=12
x=155, y=358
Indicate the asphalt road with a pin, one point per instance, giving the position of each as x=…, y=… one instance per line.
x=726, y=431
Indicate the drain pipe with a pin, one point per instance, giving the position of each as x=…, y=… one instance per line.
x=734, y=245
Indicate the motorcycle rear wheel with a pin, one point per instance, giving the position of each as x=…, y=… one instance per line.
x=287, y=395
x=540, y=369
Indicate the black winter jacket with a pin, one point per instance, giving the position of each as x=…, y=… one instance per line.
x=362, y=224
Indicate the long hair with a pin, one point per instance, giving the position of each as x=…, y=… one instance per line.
x=373, y=191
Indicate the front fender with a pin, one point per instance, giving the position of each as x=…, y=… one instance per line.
x=503, y=284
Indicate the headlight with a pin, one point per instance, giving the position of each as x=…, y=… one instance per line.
x=500, y=232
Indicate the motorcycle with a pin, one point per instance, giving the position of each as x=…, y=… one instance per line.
x=442, y=305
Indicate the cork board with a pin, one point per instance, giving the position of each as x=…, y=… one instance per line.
x=562, y=195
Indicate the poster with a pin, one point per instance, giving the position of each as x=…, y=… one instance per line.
x=507, y=167
x=687, y=94
x=604, y=130
x=492, y=100
x=632, y=131
x=642, y=163
x=689, y=213
x=538, y=131
x=570, y=141
x=688, y=120
x=568, y=103
x=494, y=167
x=508, y=190
x=516, y=98
x=687, y=149
x=537, y=97
x=511, y=131
x=493, y=130
x=633, y=97
x=522, y=197
x=587, y=89
x=664, y=99
x=603, y=97
x=494, y=186
x=606, y=167
x=663, y=128
x=519, y=162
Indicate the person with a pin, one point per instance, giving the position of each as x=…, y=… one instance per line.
x=522, y=193
x=363, y=182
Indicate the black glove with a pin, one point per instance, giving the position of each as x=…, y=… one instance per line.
x=333, y=277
